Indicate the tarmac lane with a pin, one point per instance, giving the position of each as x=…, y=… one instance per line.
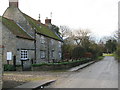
x=102, y=74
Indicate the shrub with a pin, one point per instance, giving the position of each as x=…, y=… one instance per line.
x=63, y=63
x=88, y=55
x=118, y=52
x=78, y=52
x=9, y=67
x=100, y=57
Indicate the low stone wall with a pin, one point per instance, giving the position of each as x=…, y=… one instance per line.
x=56, y=67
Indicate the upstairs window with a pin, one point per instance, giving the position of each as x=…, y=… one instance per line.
x=59, y=44
x=24, y=54
x=42, y=54
x=52, y=54
x=60, y=54
x=42, y=39
x=52, y=41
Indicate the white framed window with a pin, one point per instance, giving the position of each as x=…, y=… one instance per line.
x=42, y=54
x=42, y=39
x=24, y=54
x=52, y=53
x=59, y=44
x=52, y=41
x=60, y=54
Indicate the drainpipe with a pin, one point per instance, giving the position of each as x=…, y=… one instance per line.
x=48, y=52
x=35, y=43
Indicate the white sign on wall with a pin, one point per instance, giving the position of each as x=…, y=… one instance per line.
x=9, y=55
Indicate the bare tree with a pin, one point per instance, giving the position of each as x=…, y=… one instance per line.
x=65, y=31
x=82, y=36
x=117, y=35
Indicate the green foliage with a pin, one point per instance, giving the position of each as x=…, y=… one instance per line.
x=104, y=54
x=9, y=67
x=96, y=50
x=117, y=53
x=111, y=45
x=78, y=52
x=100, y=57
x=63, y=63
x=67, y=50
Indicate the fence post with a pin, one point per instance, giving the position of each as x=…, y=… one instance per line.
x=14, y=61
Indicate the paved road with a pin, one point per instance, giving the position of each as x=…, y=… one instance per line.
x=103, y=74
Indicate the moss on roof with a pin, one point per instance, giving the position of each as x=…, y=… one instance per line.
x=42, y=29
x=14, y=28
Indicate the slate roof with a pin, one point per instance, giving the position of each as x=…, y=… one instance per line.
x=15, y=29
x=41, y=28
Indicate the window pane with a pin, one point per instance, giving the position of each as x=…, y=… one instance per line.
x=24, y=54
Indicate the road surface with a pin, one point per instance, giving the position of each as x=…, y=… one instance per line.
x=102, y=74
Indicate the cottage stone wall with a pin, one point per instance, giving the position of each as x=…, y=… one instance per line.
x=13, y=44
x=56, y=46
x=0, y=55
x=48, y=46
x=41, y=47
x=16, y=15
x=9, y=42
x=24, y=44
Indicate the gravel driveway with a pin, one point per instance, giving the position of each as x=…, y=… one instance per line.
x=13, y=79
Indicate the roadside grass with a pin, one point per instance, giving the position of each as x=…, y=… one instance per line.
x=100, y=57
x=117, y=57
x=105, y=54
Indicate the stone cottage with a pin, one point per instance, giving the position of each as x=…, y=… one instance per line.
x=27, y=40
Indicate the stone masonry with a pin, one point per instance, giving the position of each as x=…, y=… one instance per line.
x=45, y=45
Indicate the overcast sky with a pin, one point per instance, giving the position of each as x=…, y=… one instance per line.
x=100, y=16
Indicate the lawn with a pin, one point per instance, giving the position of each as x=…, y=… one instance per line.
x=105, y=54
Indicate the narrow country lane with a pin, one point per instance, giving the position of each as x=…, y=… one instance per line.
x=103, y=74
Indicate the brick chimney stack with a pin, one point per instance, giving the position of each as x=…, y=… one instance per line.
x=47, y=21
x=13, y=3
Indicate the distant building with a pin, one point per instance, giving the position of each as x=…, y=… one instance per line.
x=26, y=40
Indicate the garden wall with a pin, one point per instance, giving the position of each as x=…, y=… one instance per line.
x=57, y=66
